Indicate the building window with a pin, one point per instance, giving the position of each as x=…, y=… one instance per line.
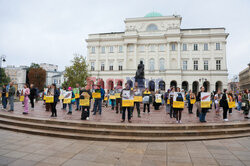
x=130, y=48
x=205, y=65
x=120, y=49
x=218, y=66
x=195, y=47
x=152, y=48
x=111, y=49
x=120, y=66
x=184, y=65
x=92, y=66
x=161, y=47
x=195, y=65
x=162, y=64
x=217, y=46
x=151, y=64
x=103, y=49
x=141, y=48
x=111, y=66
x=102, y=66
x=184, y=47
x=173, y=47
x=205, y=47
x=92, y=50
x=152, y=27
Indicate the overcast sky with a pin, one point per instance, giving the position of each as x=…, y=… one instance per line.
x=51, y=31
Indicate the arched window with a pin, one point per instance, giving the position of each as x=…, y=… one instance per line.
x=151, y=64
x=162, y=64
x=152, y=27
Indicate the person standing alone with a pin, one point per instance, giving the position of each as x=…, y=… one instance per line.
x=32, y=95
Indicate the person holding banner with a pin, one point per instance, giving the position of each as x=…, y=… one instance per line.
x=77, y=96
x=230, y=100
x=26, y=99
x=157, y=100
x=98, y=96
x=146, y=100
x=191, y=100
x=71, y=101
x=245, y=103
x=111, y=97
x=56, y=95
x=217, y=98
x=179, y=97
x=137, y=100
x=85, y=102
x=127, y=102
x=4, y=98
x=167, y=101
x=118, y=99
x=205, y=104
x=224, y=104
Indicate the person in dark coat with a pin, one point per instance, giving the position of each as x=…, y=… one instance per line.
x=85, y=94
x=32, y=95
x=56, y=99
x=224, y=105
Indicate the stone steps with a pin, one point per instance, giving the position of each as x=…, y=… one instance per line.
x=124, y=132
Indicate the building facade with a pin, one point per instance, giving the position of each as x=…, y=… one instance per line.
x=187, y=58
x=17, y=75
x=244, y=78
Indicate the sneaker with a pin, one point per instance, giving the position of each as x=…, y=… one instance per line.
x=87, y=118
x=180, y=121
x=122, y=121
x=225, y=120
x=177, y=121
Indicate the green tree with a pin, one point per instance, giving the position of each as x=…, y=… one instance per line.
x=77, y=73
x=4, y=79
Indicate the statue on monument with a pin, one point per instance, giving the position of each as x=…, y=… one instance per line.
x=140, y=72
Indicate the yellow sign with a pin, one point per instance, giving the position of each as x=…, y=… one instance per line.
x=128, y=103
x=105, y=98
x=205, y=104
x=184, y=98
x=7, y=94
x=21, y=98
x=147, y=93
x=168, y=101
x=231, y=104
x=112, y=97
x=77, y=96
x=49, y=99
x=178, y=104
x=61, y=97
x=0, y=94
x=44, y=98
x=137, y=98
x=84, y=102
x=192, y=101
x=96, y=95
x=67, y=101
x=117, y=95
x=158, y=101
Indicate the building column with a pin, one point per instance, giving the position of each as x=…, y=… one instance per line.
x=125, y=56
x=168, y=57
x=135, y=54
x=179, y=55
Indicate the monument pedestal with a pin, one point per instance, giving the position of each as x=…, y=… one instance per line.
x=140, y=83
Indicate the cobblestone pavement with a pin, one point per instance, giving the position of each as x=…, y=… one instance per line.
x=18, y=149
x=108, y=115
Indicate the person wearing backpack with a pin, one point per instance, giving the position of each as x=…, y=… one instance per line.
x=204, y=111
x=171, y=98
x=178, y=111
x=146, y=100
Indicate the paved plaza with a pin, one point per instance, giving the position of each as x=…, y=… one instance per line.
x=109, y=116
x=18, y=149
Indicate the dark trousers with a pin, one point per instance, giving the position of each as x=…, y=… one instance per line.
x=230, y=110
x=190, y=107
x=178, y=113
x=4, y=102
x=225, y=112
x=53, y=108
x=83, y=111
x=98, y=104
x=32, y=102
x=112, y=103
x=77, y=104
x=124, y=111
x=118, y=102
x=144, y=107
x=203, y=114
x=137, y=105
x=172, y=112
x=47, y=106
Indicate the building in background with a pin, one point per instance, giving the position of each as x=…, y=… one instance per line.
x=17, y=75
x=52, y=74
x=187, y=58
x=244, y=78
x=233, y=84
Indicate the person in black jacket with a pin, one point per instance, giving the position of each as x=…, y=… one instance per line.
x=56, y=99
x=224, y=105
x=85, y=94
x=32, y=95
x=4, y=99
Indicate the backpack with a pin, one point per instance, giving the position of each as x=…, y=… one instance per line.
x=179, y=97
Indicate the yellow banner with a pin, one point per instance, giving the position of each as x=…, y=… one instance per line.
x=84, y=102
x=49, y=99
x=231, y=104
x=137, y=98
x=118, y=95
x=67, y=101
x=128, y=103
x=158, y=101
x=21, y=98
x=44, y=98
x=178, y=104
x=112, y=97
x=96, y=95
x=168, y=101
x=205, y=104
x=61, y=97
x=0, y=94
x=192, y=101
x=77, y=96
x=184, y=98
x=7, y=94
x=105, y=98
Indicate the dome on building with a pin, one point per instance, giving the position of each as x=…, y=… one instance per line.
x=153, y=14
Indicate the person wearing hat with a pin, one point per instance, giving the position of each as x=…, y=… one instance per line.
x=98, y=101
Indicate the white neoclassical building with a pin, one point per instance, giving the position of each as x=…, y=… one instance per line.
x=187, y=58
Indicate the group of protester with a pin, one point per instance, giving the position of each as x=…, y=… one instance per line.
x=128, y=99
